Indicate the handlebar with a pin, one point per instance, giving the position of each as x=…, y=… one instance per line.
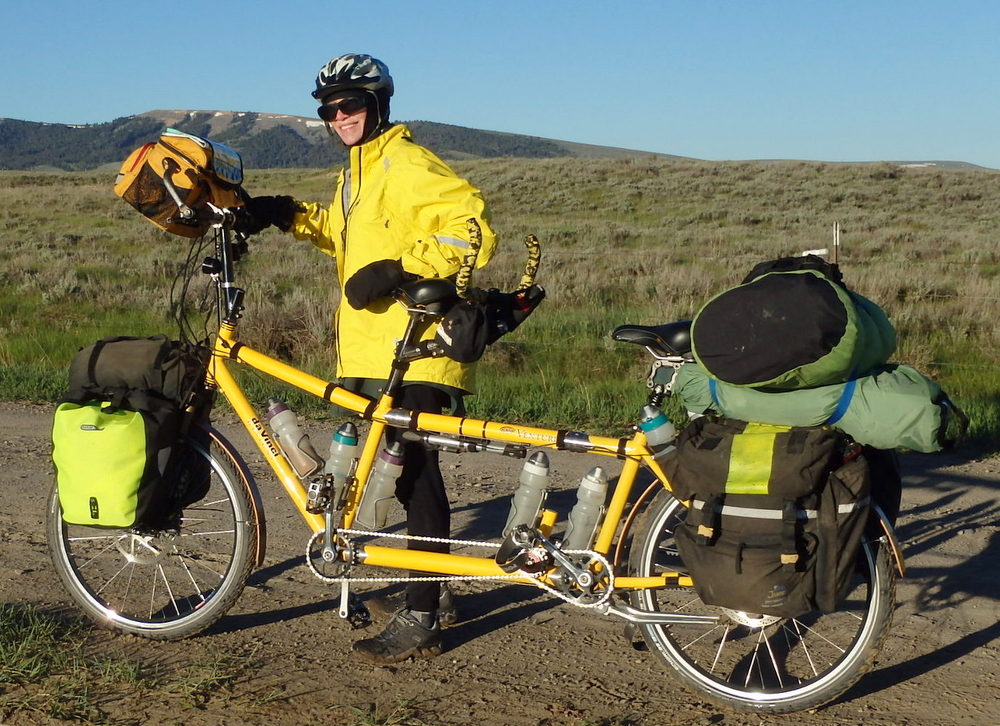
x=188, y=215
x=464, y=276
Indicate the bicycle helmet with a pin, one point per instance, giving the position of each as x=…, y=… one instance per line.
x=358, y=73
x=353, y=71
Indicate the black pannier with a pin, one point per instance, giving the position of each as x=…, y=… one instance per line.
x=776, y=514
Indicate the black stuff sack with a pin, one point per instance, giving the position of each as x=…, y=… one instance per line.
x=761, y=535
x=791, y=324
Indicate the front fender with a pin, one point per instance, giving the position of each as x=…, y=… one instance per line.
x=250, y=485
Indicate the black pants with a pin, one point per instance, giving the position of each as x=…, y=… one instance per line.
x=420, y=489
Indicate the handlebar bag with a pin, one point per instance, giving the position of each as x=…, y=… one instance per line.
x=472, y=325
x=206, y=171
x=775, y=515
x=123, y=434
x=785, y=329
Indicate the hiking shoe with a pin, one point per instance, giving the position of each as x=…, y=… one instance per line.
x=387, y=605
x=405, y=636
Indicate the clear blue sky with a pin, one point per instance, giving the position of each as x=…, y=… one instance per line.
x=838, y=80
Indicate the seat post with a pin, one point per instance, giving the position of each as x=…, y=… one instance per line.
x=401, y=363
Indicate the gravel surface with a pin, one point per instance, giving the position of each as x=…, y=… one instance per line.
x=519, y=657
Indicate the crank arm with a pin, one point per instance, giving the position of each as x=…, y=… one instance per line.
x=352, y=608
x=558, y=556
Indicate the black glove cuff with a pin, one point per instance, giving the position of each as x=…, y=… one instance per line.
x=374, y=281
x=284, y=211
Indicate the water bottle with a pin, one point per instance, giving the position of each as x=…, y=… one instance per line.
x=530, y=493
x=373, y=511
x=343, y=451
x=294, y=441
x=586, y=513
x=659, y=430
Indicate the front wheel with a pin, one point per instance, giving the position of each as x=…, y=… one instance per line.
x=763, y=663
x=167, y=584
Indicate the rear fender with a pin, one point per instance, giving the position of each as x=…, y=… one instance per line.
x=890, y=537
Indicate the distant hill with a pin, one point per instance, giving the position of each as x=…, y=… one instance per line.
x=264, y=141
x=268, y=141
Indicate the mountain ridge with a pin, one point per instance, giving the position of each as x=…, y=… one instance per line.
x=269, y=140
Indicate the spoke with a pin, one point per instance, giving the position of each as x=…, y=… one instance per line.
x=203, y=534
x=114, y=576
x=205, y=504
x=128, y=588
x=726, y=628
x=152, y=597
x=93, y=537
x=750, y=667
x=805, y=646
x=821, y=636
x=774, y=658
x=194, y=583
x=718, y=652
x=201, y=563
x=170, y=592
x=94, y=557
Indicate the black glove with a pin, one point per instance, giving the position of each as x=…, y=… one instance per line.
x=375, y=280
x=258, y=213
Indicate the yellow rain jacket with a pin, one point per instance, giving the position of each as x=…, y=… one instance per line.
x=405, y=204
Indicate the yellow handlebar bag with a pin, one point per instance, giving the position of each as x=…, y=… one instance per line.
x=201, y=171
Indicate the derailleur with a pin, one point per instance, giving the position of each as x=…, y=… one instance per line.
x=528, y=550
x=524, y=549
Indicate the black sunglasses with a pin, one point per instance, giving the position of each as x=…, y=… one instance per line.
x=328, y=111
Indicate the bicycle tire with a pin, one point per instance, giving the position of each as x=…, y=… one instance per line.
x=763, y=664
x=163, y=585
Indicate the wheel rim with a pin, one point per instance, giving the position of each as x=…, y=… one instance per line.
x=153, y=581
x=754, y=658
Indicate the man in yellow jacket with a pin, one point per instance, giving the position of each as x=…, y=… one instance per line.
x=398, y=213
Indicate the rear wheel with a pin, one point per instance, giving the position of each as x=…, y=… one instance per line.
x=166, y=584
x=757, y=662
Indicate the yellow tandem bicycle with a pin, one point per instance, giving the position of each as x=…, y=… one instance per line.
x=175, y=583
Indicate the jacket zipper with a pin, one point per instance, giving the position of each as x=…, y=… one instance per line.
x=349, y=181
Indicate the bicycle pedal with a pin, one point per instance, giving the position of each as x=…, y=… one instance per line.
x=358, y=615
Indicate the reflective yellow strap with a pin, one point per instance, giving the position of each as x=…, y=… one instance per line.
x=750, y=460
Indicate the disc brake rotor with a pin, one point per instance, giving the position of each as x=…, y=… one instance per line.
x=751, y=620
x=139, y=549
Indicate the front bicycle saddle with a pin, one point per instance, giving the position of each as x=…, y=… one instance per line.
x=432, y=295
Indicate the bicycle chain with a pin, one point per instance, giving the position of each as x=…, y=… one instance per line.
x=535, y=577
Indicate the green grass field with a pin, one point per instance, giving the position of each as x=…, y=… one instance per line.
x=624, y=241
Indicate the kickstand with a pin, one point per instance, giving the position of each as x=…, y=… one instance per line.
x=352, y=609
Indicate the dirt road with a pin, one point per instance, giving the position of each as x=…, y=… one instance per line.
x=520, y=658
